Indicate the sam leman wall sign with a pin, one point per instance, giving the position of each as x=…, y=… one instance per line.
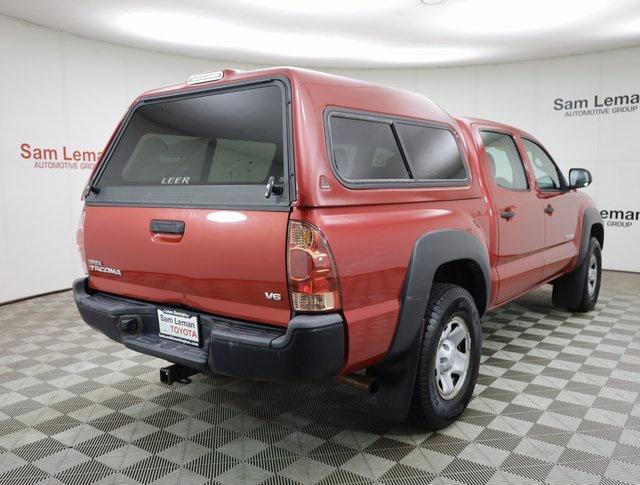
x=620, y=218
x=598, y=105
x=63, y=157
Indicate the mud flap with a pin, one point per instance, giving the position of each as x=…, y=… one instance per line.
x=393, y=399
x=568, y=289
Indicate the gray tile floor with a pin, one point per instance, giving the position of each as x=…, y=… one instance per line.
x=557, y=401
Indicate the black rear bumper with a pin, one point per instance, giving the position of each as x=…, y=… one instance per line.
x=311, y=348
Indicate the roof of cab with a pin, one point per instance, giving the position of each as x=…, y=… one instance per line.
x=329, y=89
x=481, y=121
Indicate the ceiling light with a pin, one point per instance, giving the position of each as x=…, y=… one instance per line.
x=173, y=28
x=631, y=27
x=431, y=2
x=322, y=6
x=516, y=17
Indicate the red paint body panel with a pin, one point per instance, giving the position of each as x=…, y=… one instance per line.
x=226, y=268
x=217, y=267
x=372, y=261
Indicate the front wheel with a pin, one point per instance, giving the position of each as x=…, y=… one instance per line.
x=579, y=291
x=449, y=357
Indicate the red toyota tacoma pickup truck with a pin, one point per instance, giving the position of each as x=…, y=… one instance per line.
x=288, y=225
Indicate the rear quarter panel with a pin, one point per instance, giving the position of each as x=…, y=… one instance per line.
x=372, y=247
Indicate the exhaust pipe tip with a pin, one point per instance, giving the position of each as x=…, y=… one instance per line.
x=365, y=383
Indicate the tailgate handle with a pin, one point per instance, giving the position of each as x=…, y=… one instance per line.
x=167, y=227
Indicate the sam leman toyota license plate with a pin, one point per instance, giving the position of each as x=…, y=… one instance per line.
x=179, y=326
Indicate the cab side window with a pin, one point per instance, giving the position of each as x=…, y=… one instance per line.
x=545, y=170
x=504, y=161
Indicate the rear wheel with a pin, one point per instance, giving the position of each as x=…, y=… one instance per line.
x=449, y=358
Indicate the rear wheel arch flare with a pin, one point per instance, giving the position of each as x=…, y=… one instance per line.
x=467, y=274
x=433, y=250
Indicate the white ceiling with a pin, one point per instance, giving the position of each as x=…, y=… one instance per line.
x=347, y=33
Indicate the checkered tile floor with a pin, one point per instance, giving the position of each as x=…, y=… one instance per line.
x=557, y=401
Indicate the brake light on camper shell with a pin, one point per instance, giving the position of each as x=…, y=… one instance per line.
x=313, y=279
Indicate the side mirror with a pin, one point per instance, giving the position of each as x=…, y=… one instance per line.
x=579, y=178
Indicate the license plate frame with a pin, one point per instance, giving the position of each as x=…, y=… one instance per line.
x=179, y=326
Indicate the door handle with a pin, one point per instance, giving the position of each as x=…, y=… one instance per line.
x=167, y=227
x=507, y=214
x=549, y=209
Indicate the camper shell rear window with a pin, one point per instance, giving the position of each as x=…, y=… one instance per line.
x=209, y=148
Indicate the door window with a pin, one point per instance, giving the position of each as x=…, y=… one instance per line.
x=547, y=174
x=504, y=161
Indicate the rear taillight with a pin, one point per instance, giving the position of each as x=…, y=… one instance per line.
x=80, y=241
x=313, y=279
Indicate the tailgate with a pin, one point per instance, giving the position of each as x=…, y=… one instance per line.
x=224, y=263
x=178, y=214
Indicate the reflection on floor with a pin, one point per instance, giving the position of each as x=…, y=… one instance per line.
x=557, y=401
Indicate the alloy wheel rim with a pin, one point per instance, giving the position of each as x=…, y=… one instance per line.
x=592, y=275
x=453, y=358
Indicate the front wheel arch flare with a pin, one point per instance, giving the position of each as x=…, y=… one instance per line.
x=591, y=221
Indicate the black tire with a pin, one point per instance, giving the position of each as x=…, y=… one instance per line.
x=577, y=292
x=447, y=305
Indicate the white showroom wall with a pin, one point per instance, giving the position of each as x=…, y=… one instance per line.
x=60, y=91
x=65, y=93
